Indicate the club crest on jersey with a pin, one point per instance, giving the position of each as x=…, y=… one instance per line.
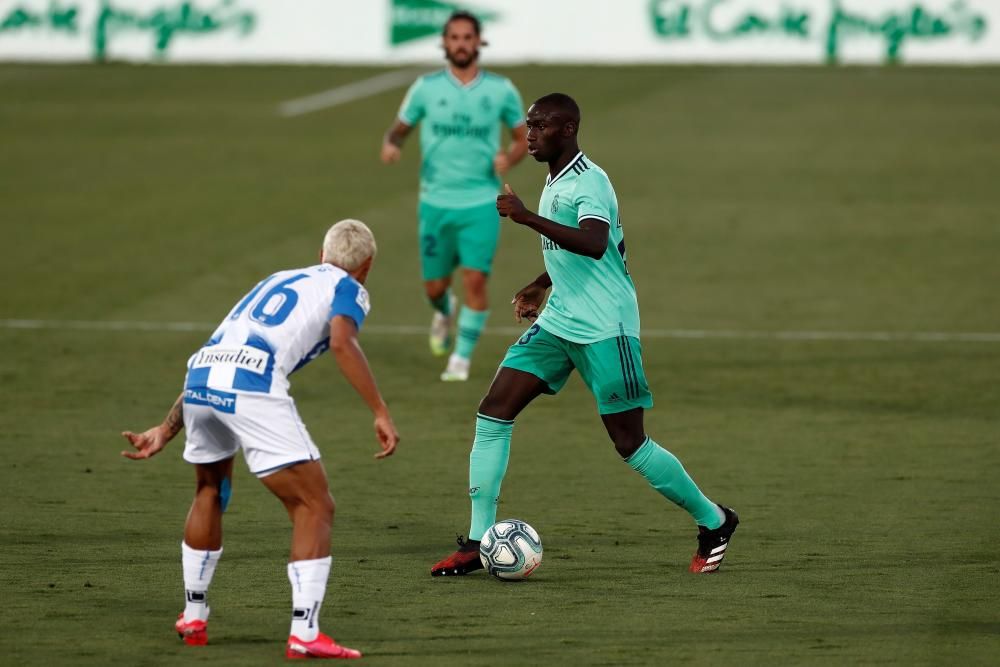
x=555, y=204
x=486, y=104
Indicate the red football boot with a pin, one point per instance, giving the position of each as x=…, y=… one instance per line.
x=322, y=647
x=194, y=633
x=463, y=561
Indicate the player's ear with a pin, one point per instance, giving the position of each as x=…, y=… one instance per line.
x=321, y=255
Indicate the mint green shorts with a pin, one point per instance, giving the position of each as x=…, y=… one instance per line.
x=611, y=368
x=453, y=237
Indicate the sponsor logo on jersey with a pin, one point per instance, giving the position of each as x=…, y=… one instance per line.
x=222, y=401
x=247, y=358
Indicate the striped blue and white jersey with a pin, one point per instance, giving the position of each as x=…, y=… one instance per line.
x=277, y=328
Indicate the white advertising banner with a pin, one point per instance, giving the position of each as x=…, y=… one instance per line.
x=519, y=31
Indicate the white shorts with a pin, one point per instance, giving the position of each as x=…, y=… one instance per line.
x=267, y=428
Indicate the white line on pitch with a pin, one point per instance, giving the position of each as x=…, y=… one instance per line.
x=348, y=92
x=414, y=330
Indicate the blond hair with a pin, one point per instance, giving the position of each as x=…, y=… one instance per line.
x=348, y=244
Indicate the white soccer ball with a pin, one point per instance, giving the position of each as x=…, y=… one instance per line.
x=511, y=550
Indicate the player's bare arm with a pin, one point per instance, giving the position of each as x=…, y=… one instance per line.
x=515, y=151
x=150, y=442
x=590, y=240
x=354, y=365
x=392, y=142
x=528, y=301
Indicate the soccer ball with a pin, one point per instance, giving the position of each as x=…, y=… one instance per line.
x=511, y=550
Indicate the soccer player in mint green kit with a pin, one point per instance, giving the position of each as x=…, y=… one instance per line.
x=590, y=323
x=460, y=110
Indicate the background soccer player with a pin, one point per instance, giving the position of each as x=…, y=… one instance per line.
x=590, y=323
x=460, y=110
x=236, y=397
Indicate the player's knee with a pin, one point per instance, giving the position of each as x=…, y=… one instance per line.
x=329, y=506
x=435, y=289
x=475, y=283
x=323, y=507
x=496, y=406
x=627, y=445
x=207, y=491
x=626, y=440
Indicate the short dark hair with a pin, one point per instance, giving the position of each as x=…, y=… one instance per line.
x=563, y=103
x=463, y=15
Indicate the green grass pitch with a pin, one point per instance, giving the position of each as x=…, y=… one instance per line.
x=753, y=200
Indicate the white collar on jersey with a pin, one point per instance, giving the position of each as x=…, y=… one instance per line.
x=569, y=165
x=458, y=82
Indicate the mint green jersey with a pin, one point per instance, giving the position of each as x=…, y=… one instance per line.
x=591, y=299
x=460, y=134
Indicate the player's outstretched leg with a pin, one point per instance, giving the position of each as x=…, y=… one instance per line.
x=510, y=392
x=487, y=465
x=202, y=548
x=716, y=524
x=303, y=490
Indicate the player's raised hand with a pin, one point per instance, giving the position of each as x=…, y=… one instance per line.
x=388, y=436
x=390, y=153
x=528, y=302
x=509, y=205
x=147, y=444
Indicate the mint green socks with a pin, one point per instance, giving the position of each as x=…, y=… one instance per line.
x=491, y=452
x=666, y=474
x=470, y=326
x=487, y=465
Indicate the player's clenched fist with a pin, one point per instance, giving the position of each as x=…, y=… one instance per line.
x=509, y=205
x=390, y=153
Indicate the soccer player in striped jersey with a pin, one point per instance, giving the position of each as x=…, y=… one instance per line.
x=460, y=110
x=590, y=323
x=236, y=397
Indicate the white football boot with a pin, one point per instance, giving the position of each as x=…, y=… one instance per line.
x=457, y=370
